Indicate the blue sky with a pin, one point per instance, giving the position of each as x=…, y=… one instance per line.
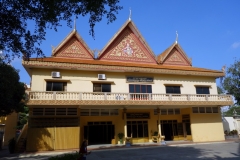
x=209, y=31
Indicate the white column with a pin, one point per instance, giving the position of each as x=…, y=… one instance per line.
x=159, y=124
x=125, y=122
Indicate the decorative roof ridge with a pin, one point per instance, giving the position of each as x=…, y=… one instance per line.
x=134, y=29
x=114, y=37
x=184, y=53
x=165, y=53
x=161, y=57
x=55, y=49
x=144, y=41
x=67, y=38
x=127, y=64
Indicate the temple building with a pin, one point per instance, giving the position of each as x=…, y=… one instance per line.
x=126, y=88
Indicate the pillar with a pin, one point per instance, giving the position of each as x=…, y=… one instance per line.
x=159, y=125
x=125, y=121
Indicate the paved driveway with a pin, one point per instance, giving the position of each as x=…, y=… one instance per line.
x=208, y=151
x=229, y=151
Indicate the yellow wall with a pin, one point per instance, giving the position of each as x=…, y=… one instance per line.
x=207, y=127
x=10, y=127
x=52, y=138
x=204, y=127
x=119, y=123
x=81, y=81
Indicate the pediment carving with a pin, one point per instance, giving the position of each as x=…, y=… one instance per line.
x=73, y=49
x=175, y=58
x=128, y=48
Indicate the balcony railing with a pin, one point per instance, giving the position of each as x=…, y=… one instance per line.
x=48, y=95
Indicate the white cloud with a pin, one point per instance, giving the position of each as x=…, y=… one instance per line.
x=235, y=45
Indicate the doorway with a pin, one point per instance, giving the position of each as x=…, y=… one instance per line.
x=167, y=130
x=99, y=132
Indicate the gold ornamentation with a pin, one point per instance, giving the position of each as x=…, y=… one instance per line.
x=128, y=48
x=175, y=58
x=73, y=49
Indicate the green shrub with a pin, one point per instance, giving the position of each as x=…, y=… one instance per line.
x=155, y=133
x=69, y=156
x=226, y=132
x=120, y=135
x=11, y=145
x=235, y=132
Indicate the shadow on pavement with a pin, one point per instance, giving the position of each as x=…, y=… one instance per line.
x=216, y=151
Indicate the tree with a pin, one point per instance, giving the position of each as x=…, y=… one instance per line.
x=231, y=82
x=12, y=91
x=220, y=90
x=23, y=118
x=15, y=15
x=230, y=111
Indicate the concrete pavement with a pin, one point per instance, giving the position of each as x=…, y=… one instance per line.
x=152, y=151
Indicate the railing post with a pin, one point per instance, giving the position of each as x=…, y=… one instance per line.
x=206, y=97
x=188, y=97
x=80, y=95
x=170, y=97
x=54, y=95
x=128, y=96
x=149, y=96
x=105, y=96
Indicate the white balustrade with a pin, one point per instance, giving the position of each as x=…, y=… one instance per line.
x=56, y=95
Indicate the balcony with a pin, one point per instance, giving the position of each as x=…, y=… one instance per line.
x=109, y=98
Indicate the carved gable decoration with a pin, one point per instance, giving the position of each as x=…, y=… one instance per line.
x=73, y=49
x=175, y=57
x=127, y=47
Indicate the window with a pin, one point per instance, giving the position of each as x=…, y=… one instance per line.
x=98, y=87
x=201, y=109
x=56, y=86
x=99, y=112
x=205, y=110
x=173, y=90
x=202, y=90
x=136, y=88
x=137, y=129
x=170, y=111
x=195, y=110
x=54, y=111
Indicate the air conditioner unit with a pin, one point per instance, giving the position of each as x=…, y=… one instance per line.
x=56, y=75
x=101, y=76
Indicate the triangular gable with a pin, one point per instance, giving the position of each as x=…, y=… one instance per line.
x=73, y=46
x=174, y=55
x=129, y=46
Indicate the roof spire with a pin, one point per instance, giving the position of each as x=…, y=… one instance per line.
x=74, y=24
x=176, y=38
x=130, y=14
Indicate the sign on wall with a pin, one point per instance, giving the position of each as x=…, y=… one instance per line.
x=139, y=79
x=138, y=115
